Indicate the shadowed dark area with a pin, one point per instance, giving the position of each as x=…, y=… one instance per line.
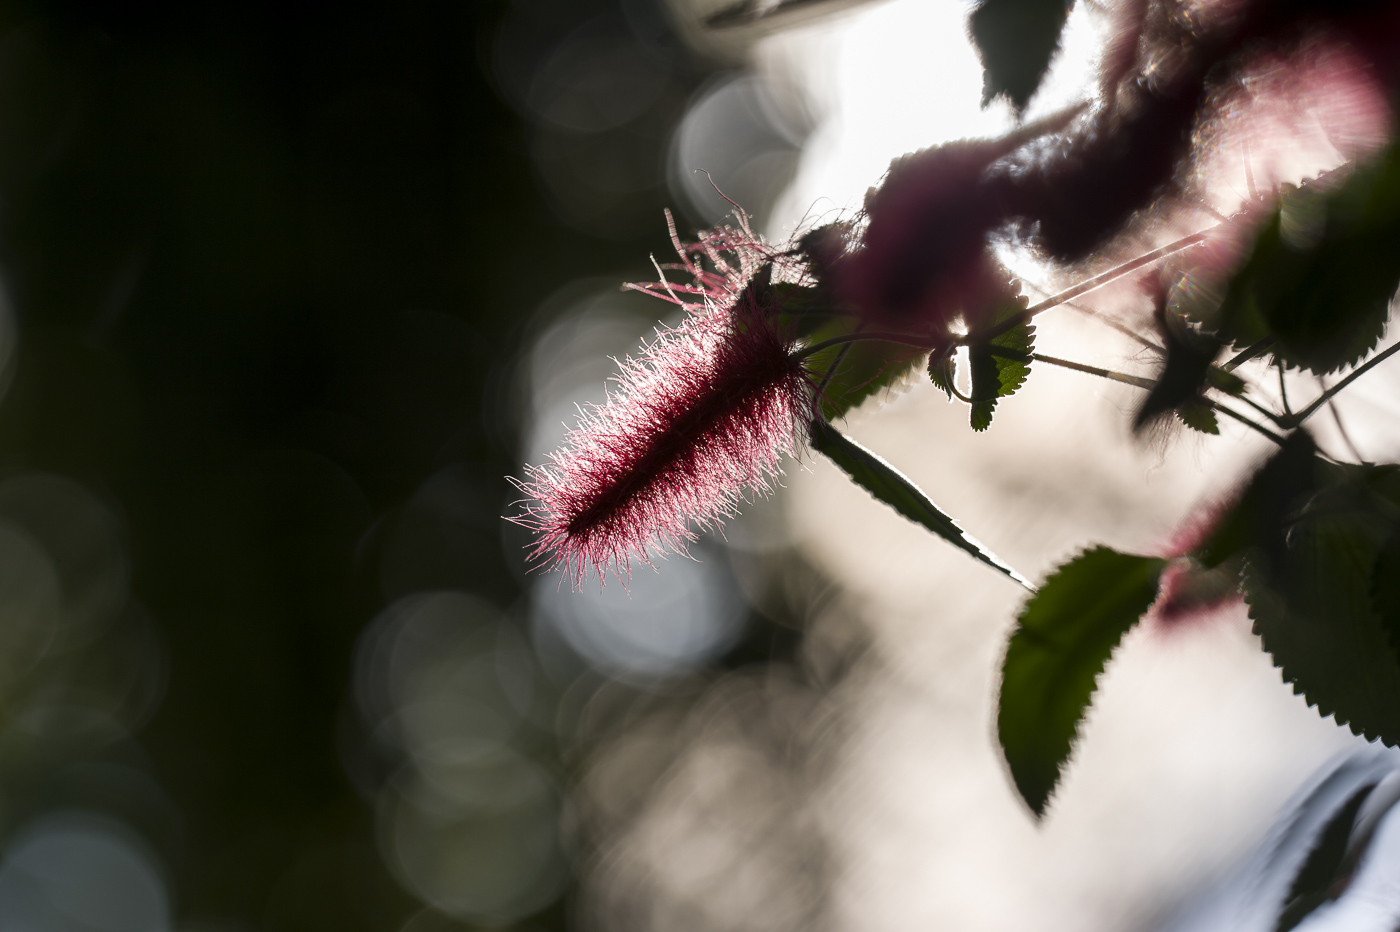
x=269, y=265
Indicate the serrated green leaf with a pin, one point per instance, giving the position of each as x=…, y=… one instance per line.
x=1312, y=607
x=1064, y=636
x=1323, y=271
x=1199, y=416
x=893, y=488
x=999, y=367
x=986, y=387
x=1016, y=40
x=943, y=372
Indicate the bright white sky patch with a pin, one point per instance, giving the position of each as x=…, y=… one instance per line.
x=895, y=77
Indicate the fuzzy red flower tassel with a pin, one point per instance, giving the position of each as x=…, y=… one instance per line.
x=695, y=424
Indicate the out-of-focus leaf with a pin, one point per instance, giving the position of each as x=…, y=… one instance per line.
x=1260, y=515
x=1198, y=415
x=1316, y=882
x=890, y=486
x=1311, y=601
x=1183, y=378
x=1385, y=587
x=803, y=310
x=1227, y=382
x=1323, y=271
x=995, y=375
x=1065, y=635
x=1016, y=40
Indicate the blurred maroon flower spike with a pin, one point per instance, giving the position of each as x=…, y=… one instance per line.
x=695, y=424
x=923, y=258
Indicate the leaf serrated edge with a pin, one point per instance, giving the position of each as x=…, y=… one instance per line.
x=1287, y=679
x=1076, y=734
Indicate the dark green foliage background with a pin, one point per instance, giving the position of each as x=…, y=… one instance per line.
x=270, y=263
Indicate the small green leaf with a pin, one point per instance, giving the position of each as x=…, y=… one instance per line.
x=943, y=372
x=999, y=367
x=1199, y=416
x=1065, y=635
x=986, y=387
x=890, y=486
x=1016, y=40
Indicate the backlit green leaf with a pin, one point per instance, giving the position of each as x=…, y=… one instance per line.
x=890, y=486
x=999, y=367
x=1065, y=635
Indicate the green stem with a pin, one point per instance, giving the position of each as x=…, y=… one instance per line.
x=1111, y=375
x=1103, y=278
x=883, y=336
x=1326, y=396
x=1249, y=352
x=1280, y=421
x=1133, y=380
x=1253, y=425
x=830, y=372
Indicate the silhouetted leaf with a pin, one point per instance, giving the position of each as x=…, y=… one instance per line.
x=943, y=372
x=1016, y=40
x=1227, y=382
x=1198, y=415
x=1385, y=587
x=1065, y=634
x=1183, y=378
x=890, y=486
x=1311, y=602
x=1260, y=515
x=999, y=367
x=1323, y=271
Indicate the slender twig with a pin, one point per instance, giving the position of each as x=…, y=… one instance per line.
x=1283, y=388
x=1342, y=429
x=1098, y=281
x=1133, y=380
x=1254, y=425
x=885, y=336
x=1257, y=348
x=1277, y=419
x=1326, y=396
x=835, y=364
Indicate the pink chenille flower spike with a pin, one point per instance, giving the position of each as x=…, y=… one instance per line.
x=696, y=423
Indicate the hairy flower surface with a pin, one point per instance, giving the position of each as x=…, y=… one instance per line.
x=697, y=422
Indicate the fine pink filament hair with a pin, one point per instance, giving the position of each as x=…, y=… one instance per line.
x=695, y=424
